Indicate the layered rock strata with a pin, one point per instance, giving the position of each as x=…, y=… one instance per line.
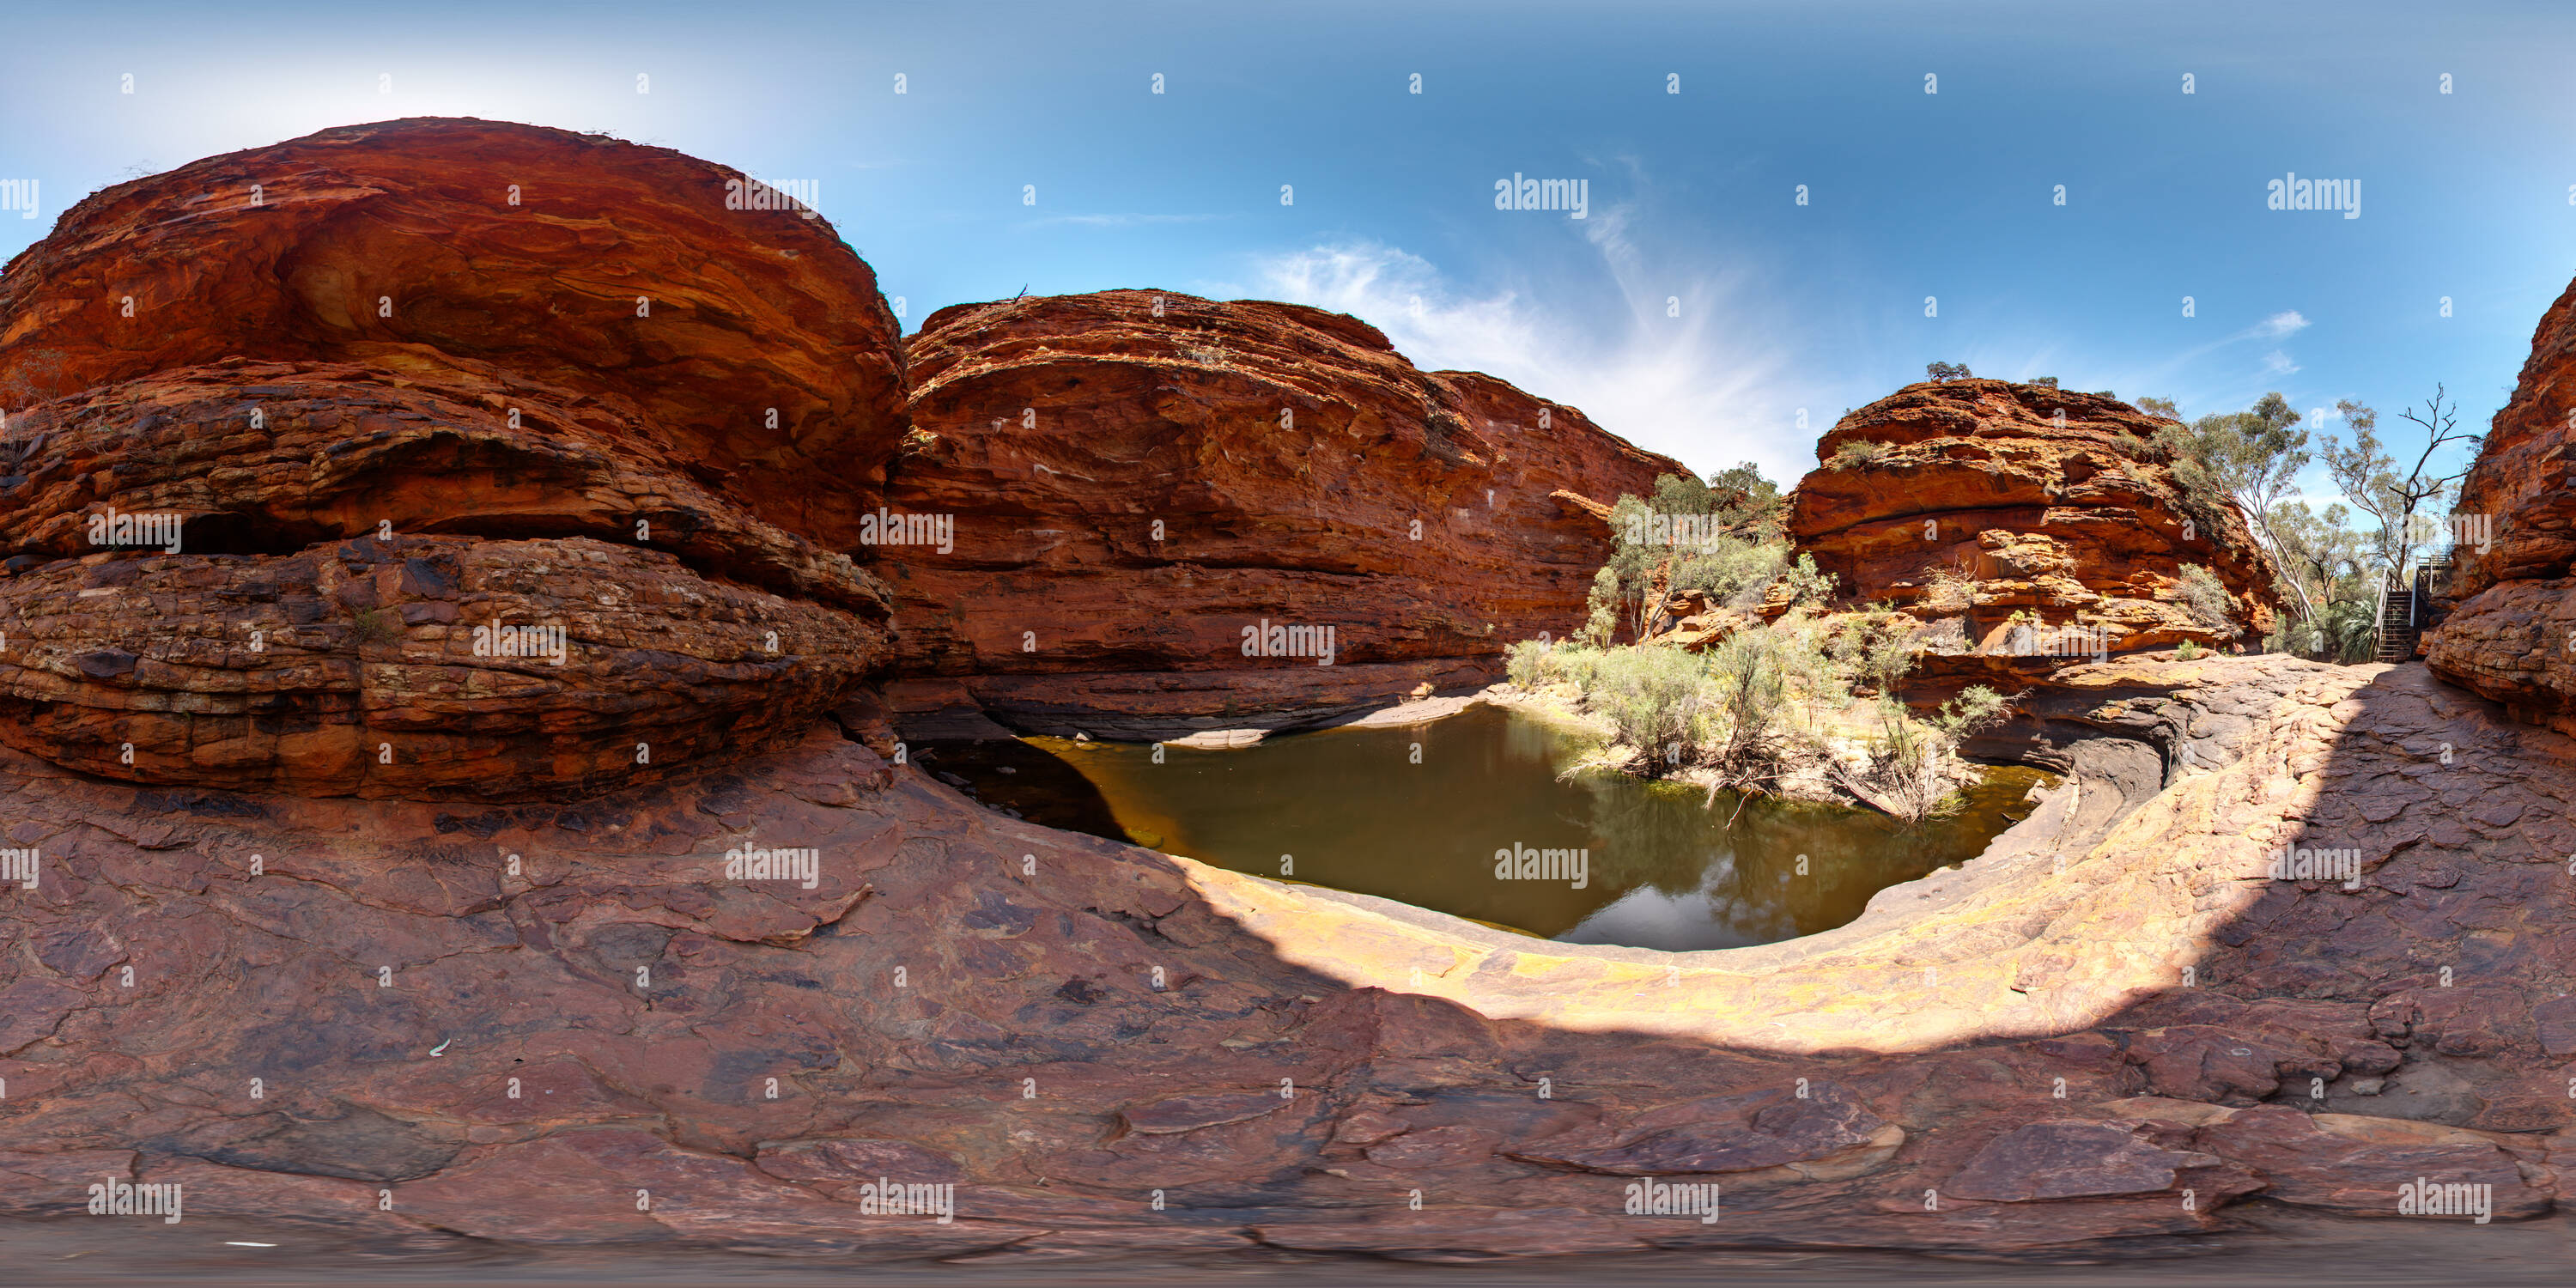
x=436, y=458
x=2008, y=518
x=2510, y=632
x=1138, y=478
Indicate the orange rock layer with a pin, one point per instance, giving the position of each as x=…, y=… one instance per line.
x=1987, y=498
x=1137, y=478
x=2511, y=630
x=310, y=444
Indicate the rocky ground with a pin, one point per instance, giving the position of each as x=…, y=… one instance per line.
x=2112, y=1025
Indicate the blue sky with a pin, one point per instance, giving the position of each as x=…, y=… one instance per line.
x=1691, y=194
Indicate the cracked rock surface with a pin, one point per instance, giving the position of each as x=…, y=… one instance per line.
x=1059, y=1026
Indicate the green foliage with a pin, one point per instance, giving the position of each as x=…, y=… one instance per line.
x=1976, y=707
x=2351, y=628
x=2207, y=600
x=1858, y=453
x=1748, y=681
x=1733, y=572
x=1601, y=608
x=1652, y=698
x=1741, y=556
x=1535, y=664
x=2044, y=382
x=1940, y=371
x=1745, y=498
x=1525, y=663
x=2160, y=407
x=1808, y=587
x=2187, y=650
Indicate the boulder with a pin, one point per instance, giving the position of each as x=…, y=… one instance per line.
x=752, y=342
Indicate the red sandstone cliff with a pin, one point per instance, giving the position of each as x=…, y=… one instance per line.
x=2511, y=632
x=430, y=379
x=1138, y=476
x=1980, y=501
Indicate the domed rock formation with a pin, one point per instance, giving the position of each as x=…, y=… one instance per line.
x=1984, y=506
x=1137, y=479
x=752, y=342
x=435, y=458
x=2511, y=630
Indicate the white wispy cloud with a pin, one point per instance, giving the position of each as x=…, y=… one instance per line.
x=2287, y=322
x=1704, y=386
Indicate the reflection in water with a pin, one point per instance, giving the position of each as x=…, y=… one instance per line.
x=1417, y=814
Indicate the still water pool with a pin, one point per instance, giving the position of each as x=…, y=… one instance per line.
x=1418, y=813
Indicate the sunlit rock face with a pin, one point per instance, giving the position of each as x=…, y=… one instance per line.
x=436, y=457
x=1137, y=477
x=2511, y=631
x=1980, y=498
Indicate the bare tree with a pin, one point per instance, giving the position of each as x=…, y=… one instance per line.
x=2369, y=475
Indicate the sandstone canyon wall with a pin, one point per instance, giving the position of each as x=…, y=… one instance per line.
x=389, y=397
x=1136, y=477
x=1982, y=501
x=2511, y=630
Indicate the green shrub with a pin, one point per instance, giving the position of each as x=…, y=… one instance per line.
x=1976, y=707
x=1525, y=663
x=2207, y=600
x=1652, y=697
x=379, y=626
x=1806, y=585
x=2188, y=649
x=1859, y=453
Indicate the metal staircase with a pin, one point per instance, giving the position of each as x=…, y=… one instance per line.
x=2400, y=622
